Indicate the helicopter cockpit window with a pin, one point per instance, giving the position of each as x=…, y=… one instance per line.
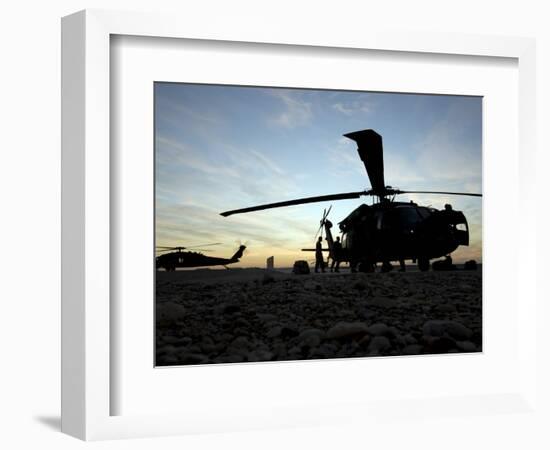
x=461, y=227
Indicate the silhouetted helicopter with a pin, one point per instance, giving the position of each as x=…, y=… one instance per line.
x=178, y=258
x=387, y=230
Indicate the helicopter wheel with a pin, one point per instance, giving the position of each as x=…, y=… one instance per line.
x=423, y=264
x=365, y=267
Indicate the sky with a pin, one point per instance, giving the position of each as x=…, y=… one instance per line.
x=219, y=148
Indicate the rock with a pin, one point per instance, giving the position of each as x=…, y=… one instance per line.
x=326, y=350
x=192, y=349
x=470, y=265
x=312, y=341
x=442, y=345
x=210, y=348
x=169, y=313
x=379, y=329
x=260, y=355
x=379, y=344
x=300, y=268
x=288, y=332
x=311, y=337
x=311, y=332
x=229, y=359
x=295, y=352
x=166, y=350
x=368, y=313
x=230, y=309
x=400, y=340
x=360, y=286
x=173, y=340
x=241, y=322
x=383, y=302
x=225, y=337
x=434, y=328
x=347, y=330
x=440, y=328
x=364, y=342
x=280, y=351
x=266, y=317
x=167, y=360
x=274, y=332
x=444, y=308
x=240, y=343
x=466, y=346
x=192, y=358
x=268, y=278
x=459, y=331
x=412, y=349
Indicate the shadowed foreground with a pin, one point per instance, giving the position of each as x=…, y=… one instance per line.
x=245, y=315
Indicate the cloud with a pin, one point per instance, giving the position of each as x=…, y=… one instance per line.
x=183, y=224
x=297, y=112
x=267, y=162
x=343, y=158
x=235, y=178
x=360, y=105
x=451, y=150
x=204, y=167
x=174, y=111
x=171, y=153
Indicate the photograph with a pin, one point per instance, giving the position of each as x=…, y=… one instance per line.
x=310, y=224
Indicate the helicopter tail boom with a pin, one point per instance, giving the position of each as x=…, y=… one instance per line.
x=238, y=254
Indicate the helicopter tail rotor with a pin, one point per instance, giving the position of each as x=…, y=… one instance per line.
x=322, y=222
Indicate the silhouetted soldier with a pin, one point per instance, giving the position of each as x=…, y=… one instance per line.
x=401, y=265
x=336, y=255
x=319, y=262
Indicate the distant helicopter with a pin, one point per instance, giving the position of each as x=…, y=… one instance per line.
x=386, y=230
x=178, y=258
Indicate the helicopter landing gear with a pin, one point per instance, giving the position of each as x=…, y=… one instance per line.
x=423, y=264
x=365, y=267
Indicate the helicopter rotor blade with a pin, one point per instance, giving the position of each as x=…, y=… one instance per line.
x=300, y=201
x=328, y=212
x=369, y=147
x=471, y=194
x=319, y=229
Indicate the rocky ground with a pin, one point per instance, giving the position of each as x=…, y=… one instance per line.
x=257, y=316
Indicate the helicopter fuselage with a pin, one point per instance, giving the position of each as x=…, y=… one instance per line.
x=180, y=259
x=396, y=231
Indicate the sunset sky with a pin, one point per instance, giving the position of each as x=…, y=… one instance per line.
x=220, y=148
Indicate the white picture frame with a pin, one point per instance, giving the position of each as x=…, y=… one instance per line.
x=87, y=386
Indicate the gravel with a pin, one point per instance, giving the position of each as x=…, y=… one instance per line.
x=285, y=317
